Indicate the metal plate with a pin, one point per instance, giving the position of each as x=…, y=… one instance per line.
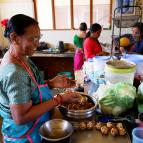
x=94, y=136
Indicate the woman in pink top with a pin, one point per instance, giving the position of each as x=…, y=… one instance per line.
x=91, y=44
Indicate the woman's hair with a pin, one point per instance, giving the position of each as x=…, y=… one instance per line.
x=93, y=28
x=18, y=23
x=83, y=26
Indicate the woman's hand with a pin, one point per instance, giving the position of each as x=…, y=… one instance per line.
x=69, y=97
x=61, y=82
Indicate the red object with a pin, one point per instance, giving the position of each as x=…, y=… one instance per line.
x=140, y=125
x=4, y=22
x=91, y=48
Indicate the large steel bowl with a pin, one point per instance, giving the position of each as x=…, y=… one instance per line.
x=79, y=114
x=56, y=130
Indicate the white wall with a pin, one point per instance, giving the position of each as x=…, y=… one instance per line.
x=67, y=36
x=11, y=7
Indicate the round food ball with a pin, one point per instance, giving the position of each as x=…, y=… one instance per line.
x=122, y=132
x=90, y=125
x=98, y=125
x=82, y=125
x=119, y=125
x=114, y=131
x=109, y=125
x=104, y=130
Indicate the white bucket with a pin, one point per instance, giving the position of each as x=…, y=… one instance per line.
x=114, y=73
x=138, y=59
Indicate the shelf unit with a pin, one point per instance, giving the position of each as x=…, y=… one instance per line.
x=124, y=20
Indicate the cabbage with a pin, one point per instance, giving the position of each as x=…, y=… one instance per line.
x=140, y=98
x=117, y=98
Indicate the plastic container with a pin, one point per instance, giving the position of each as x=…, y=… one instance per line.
x=119, y=70
x=137, y=135
x=88, y=69
x=99, y=65
x=138, y=59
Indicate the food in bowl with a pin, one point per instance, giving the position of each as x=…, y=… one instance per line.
x=83, y=109
x=83, y=104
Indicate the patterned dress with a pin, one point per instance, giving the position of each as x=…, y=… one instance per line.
x=17, y=87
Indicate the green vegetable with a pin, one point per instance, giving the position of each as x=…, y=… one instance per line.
x=117, y=98
x=140, y=97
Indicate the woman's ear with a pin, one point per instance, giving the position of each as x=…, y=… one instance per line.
x=14, y=38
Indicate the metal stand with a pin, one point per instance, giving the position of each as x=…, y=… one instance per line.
x=124, y=20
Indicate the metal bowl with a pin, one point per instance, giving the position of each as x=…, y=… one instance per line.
x=56, y=130
x=79, y=114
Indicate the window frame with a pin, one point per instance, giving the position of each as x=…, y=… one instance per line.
x=72, y=15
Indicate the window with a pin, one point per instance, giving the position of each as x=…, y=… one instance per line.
x=44, y=14
x=62, y=14
x=101, y=12
x=81, y=12
x=68, y=14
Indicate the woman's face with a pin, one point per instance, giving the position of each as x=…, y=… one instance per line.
x=29, y=41
x=97, y=34
x=82, y=34
x=135, y=31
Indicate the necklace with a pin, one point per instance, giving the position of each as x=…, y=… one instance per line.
x=23, y=64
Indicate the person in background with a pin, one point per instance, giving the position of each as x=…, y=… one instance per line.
x=78, y=42
x=136, y=40
x=92, y=46
x=137, y=33
x=25, y=99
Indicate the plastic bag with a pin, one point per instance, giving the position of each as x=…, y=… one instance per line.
x=140, y=97
x=117, y=98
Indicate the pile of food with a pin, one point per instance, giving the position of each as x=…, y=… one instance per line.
x=83, y=104
x=82, y=109
x=114, y=129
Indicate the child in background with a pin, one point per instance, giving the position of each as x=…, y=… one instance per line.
x=78, y=42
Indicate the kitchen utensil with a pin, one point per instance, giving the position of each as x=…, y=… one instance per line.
x=127, y=118
x=56, y=130
x=137, y=135
x=79, y=114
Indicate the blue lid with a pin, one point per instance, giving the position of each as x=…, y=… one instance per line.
x=134, y=58
x=102, y=58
